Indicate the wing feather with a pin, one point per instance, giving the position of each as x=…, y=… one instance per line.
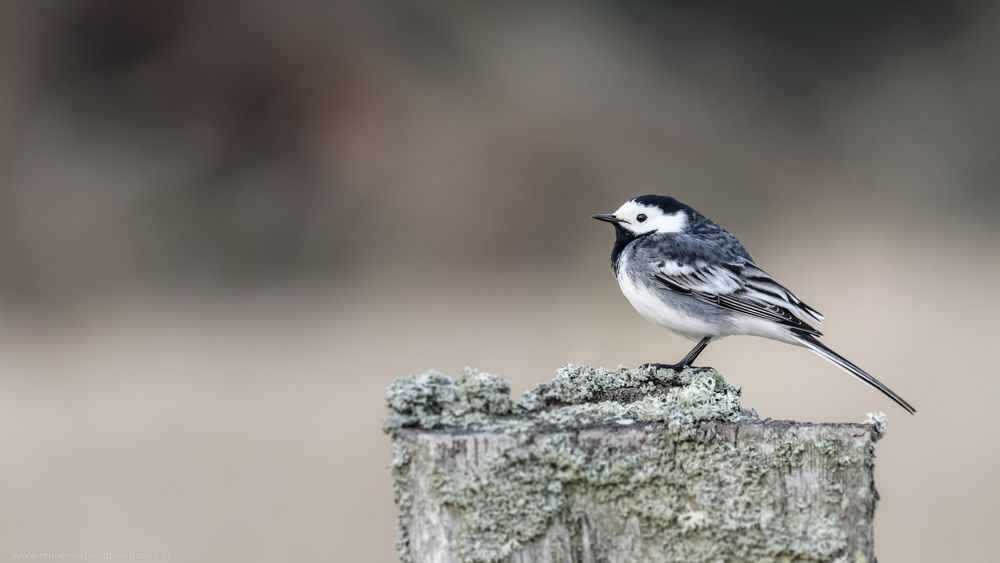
x=739, y=286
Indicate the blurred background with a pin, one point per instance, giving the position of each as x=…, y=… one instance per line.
x=226, y=226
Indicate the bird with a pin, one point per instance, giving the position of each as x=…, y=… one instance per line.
x=682, y=271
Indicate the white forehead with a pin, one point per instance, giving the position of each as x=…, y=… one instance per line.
x=656, y=219
x=630, y=209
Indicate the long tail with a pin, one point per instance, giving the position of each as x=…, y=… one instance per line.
x=846, y=365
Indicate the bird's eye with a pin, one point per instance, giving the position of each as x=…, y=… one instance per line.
x=640, y=217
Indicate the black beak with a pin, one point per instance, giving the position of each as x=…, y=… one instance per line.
x=607, y=218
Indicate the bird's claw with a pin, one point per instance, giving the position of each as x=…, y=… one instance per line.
x=673, y=367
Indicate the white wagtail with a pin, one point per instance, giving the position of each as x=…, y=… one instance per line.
x=683, y=272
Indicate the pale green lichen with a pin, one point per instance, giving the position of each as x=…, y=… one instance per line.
x=576, y=385
x=403, y=495
x=788, y=454
x=500, y=519
x=879, y=423
x=431, y=400
x=693, y=520
x=696, y=498
x=696, y=501
x=582, y=394
x=578, y=396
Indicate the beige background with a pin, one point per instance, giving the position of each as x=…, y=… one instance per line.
x=226, y=227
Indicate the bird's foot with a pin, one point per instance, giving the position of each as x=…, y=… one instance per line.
x=674, y=367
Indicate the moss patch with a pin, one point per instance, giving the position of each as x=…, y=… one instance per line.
x=432, y=400
x=403, y=495
x=693, y=500
x=578, y=396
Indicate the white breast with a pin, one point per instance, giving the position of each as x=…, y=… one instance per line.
x=657, y=311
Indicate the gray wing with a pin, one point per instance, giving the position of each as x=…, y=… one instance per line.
x=738, y=285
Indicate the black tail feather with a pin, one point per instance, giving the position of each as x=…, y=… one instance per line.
x=845, y=364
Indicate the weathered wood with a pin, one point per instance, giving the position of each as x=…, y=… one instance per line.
x=624, y=465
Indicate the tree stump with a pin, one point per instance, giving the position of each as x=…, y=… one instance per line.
x=629, y=465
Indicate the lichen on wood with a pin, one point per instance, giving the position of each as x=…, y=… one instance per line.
x=621, y=465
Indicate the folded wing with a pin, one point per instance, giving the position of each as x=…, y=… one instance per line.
x=739, y=286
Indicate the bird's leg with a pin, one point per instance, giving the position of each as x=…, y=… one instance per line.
x=687, y=360
x=693, y=354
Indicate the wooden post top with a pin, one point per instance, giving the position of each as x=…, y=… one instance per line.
x=622, y=465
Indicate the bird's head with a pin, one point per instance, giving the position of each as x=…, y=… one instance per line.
x=647, y=214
